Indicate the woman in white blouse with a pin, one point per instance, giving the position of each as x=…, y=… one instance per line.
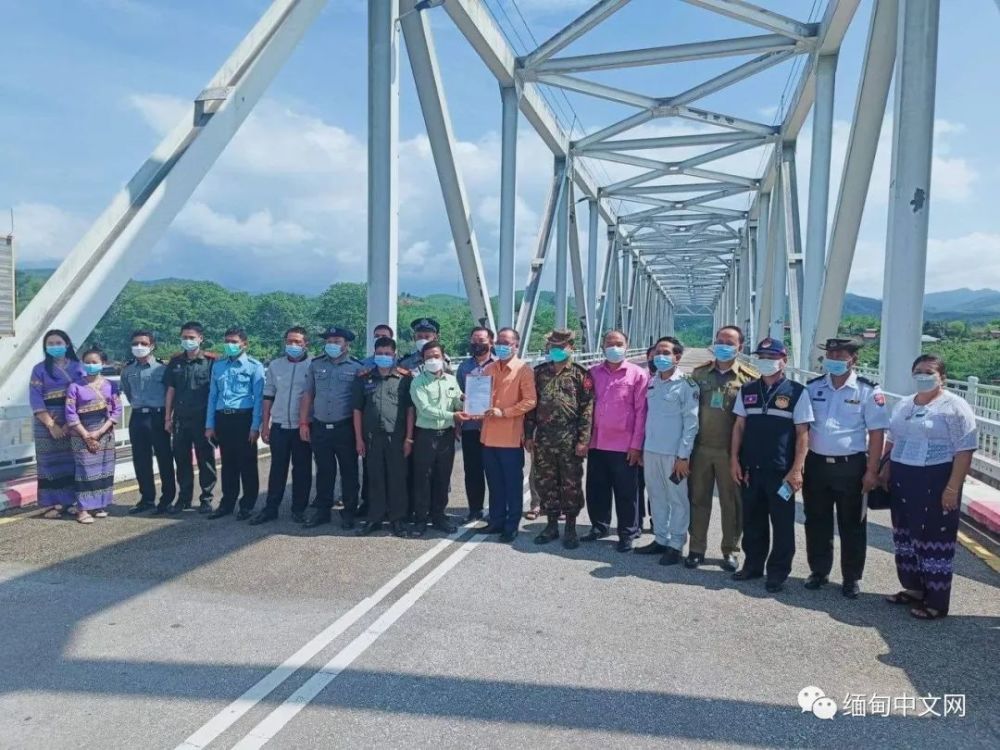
x=931, y=440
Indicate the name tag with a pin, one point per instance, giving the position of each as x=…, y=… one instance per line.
x=329, y=426
x=716, y=402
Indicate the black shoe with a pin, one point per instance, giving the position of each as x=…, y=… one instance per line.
x=317, y=518
x=418, y=530
x=369, y=527
x=490, y=529
x=508, y=537
x=570, y=539
x=850, y=589
x=549, y=534
x=346, y=520
x=774, y=586
x=651, y=549
x=474, y=515
x=140, y=508
x=205, y=507
x=814, y=581
x=175, y=509
x=161, y=510
x=443, y=524
x=242, y=515
x=593, y=535
x=362, y=511
x=730, y=562
x=398, y=528
x=219, y=513
x=262, y=517
x=625, y=545
x=746, y=575
x=694, y=559
x=671, y=556
x=298, y=516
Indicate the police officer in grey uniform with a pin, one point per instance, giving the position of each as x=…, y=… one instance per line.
x=845, y=446
x=424, y=330
x=326, y=419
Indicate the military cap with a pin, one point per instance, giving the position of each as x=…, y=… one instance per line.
x=841, y=345
x=425, y=324
x=343, y=333
x=560, y=337
x=771, y=346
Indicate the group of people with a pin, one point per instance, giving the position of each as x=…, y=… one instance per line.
x=639, y=430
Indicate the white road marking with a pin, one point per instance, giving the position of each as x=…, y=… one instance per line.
x=238, y=708
x=279, y=717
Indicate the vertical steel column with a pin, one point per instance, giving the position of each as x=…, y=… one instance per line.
x=762, y=308
x=508, y=199
x=576, y=268
x=606, y=288
x=777, y=262
x=383, y=164
x=562, y=245
x=592, y=324
x=909, y=192
x=793, y=252
x=819, y=201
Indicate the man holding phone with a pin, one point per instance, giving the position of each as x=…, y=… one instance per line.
x=671, y=426
x=768, y=452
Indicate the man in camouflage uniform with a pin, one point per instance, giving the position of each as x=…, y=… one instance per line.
x=557, y=434
x=719, y=383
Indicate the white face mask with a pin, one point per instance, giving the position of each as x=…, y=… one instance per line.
x=420, y=344
x=434, y=365
x=141, y=351
x=926, y=382
x=767, y=366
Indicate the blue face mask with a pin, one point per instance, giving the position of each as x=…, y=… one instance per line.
x=294, y=350
x=93, y=368
x=232, y=349
x=189, y=345
x=663, y=362
x=333, y=350
x=384, y=360
x=614, y=353
x=724, y=352
x=558, y=354
x=836, y=366
x=503, y=351
x=56, y=351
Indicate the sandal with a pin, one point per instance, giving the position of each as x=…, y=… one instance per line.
x=56, y=511
x=100, y=513
x=84, y=517
x=903, y=597
x=927, y=613
x=532, y=514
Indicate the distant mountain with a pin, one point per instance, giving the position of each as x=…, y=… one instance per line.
x=855, y=304
x=972, y=300
x=972, y=305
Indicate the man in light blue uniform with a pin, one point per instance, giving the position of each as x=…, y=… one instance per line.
x=845, y=447
x=235, y=402
x=671, y=426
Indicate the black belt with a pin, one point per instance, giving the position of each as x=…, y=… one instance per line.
x=436, y=433
x=837, y=459
x=147, y=409
x=331, y=425
x=228, y=412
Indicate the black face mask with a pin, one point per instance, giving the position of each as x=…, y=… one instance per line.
x=478, y=350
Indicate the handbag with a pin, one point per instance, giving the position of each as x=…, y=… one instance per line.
x=878, y=498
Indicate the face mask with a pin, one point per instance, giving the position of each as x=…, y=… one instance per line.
x=836, y=366
x=558, y=355
x=141, y=351
x=614, y=353
x=433, y=364
x=663, y=363
x=768, y=366
x=93, y=368
x=478, y=350
x=384, y=360
x=56, y=351
x=926, y=382
x=189, y=345
x=333, y=350
x=294, y=350
x=420, y=344
x=503, y=351
x=724, y=352
x=232, y=349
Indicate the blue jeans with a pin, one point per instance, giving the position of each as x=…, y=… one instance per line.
x=505, y=477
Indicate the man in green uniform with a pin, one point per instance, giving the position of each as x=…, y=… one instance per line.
x=557, y=434
x=719, y=383
x=383, y=431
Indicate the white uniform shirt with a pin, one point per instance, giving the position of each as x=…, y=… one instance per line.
x=931, y=434
x=844, y=415
x=671, y=415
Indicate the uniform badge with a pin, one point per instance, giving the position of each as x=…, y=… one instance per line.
x=588, y=383
x=879, y=399
x=782, y=402
x=749, y=399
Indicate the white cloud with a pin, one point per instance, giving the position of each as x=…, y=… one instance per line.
x=259, y=229
x=44, y=233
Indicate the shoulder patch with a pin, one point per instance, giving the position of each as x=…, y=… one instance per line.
x=704, y=366
x=588, y=382
x=210, y=355
x=404, y=372
x=867, y=381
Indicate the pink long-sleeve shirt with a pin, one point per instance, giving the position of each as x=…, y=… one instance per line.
x=619, y=407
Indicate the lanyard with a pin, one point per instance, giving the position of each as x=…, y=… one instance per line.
x=766, y=396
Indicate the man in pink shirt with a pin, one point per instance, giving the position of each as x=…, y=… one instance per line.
x=616, y=443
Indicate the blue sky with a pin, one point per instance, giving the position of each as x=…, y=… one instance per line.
x=88, y=87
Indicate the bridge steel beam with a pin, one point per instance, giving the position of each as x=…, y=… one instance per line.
x=592, y=238
x=573, y=31
x=576, y=269
x=762, y=308
x=562, y=247
x=793, y=247
x=80, y=291
x=508, y=200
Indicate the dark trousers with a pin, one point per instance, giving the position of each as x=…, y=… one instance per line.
x=333, y=446
x=189, y=434
x=433, y=460
x=148, y=436
x=640, y=484
x=505, y=477
x=475, y=474
x=239, y=460
x=608, y=473
x=387, y=470
x=828, y=486
x=287, y=447
x=765, y=515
